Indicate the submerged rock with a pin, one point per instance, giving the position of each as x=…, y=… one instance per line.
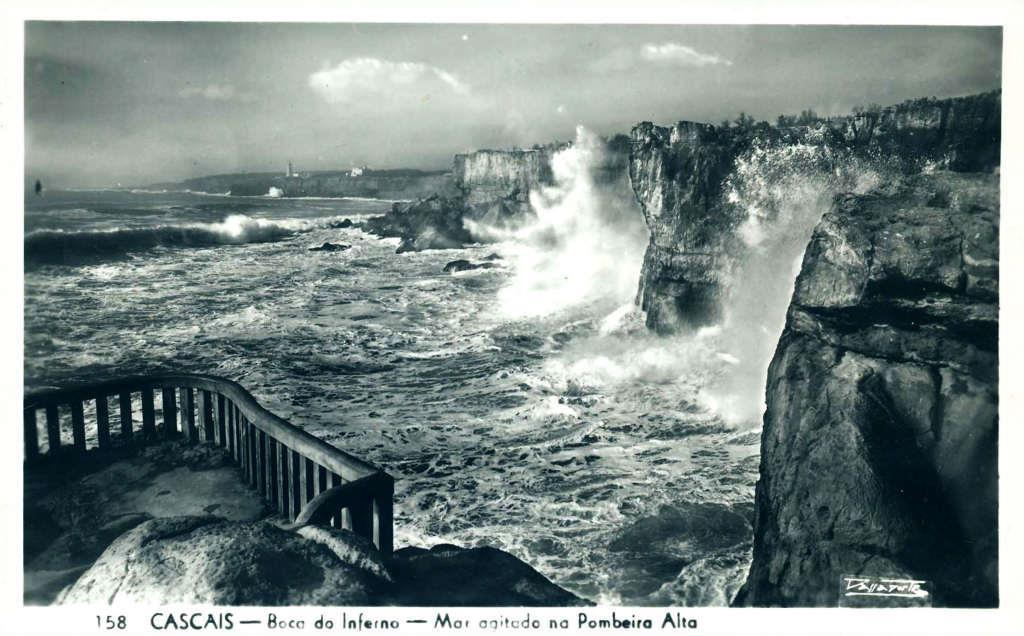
x=879, y=449
x=463, y=265
x=330, y=247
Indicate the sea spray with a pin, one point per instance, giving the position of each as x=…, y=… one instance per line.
x=585, y=245
x=782, y=192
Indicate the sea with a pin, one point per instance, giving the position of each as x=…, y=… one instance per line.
x=523, y=405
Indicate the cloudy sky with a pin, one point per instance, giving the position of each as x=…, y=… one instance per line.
x=137, y=103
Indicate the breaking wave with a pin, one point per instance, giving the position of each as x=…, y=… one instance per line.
x=67, y=247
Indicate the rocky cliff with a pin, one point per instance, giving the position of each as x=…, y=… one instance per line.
x=490, y=196
x=879, y=448
x=680, y=177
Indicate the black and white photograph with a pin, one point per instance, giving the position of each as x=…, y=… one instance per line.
x=492, y=314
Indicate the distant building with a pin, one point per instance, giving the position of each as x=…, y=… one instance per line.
x=357, y=172
x=291, y=171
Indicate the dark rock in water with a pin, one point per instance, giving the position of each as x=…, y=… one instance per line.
x=879, y=448
x=654, y=549
x=431, y=223
x=678, y=176
x=493, y=256
x=448, y=575
x=463, y=265
x=347, y=223
x=330, y=247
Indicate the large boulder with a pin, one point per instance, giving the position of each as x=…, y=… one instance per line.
x=206, y=560
x=879, y=448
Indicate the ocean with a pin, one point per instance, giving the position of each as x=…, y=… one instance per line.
x=523, y=406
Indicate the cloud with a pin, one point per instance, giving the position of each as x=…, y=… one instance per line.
x=216, y=92
x=680, y=55
x=664, y=54
x=358, y=77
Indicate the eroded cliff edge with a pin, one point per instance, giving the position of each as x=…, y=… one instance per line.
x=879, y=448
x=682, y=177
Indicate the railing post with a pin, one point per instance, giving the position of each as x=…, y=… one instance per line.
x=272, y=468
x=294, y=480
x=342, y=518
x=125, y=399
x=188, y=414
x=222, y=425
x=282, y=479
x=102, y=422
x=229, y=416
x=170, y=405
x=52, y=428
x=383, y=515
x=261, y=462
x=31, y=436
x=78, y=425
x=148, y=414
x=308, y=481
x=206, y=408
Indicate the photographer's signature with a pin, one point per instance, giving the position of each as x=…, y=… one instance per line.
x=874, y=586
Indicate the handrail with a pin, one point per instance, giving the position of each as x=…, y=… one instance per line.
x=285, y=464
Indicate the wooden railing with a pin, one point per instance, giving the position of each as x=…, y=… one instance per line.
x=303, y=477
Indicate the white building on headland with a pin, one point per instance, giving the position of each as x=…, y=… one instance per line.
x=291, y=171
x=357, y=172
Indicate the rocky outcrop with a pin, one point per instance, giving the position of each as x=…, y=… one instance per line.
x=879, y=448
x=678, y=174
x=212, y=561
x=434, y=223
x=489, y=196
x=462, y=265
x=447, y=575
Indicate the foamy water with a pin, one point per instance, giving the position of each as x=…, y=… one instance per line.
x=569, y=437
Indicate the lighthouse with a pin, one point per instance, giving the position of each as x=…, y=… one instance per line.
x=291, y=170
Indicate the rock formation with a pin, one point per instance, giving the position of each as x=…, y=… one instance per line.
x=213, y=561
x=678, y=175
x=879, y=444
x=489, y=194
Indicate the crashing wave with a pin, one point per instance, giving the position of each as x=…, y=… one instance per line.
x=75, y=247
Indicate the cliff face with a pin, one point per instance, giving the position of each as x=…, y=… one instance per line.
x=879, y=448
x=497, y=183
x=489, y=194
x=678, y=175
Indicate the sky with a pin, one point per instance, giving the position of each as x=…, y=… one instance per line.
x=138, y=103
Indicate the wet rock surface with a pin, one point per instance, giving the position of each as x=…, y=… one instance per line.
x=330, y=247
x=73, y=512
x=483, y=576
x=196, y=559
x=462, y=265
x=212, y=561
x=879, y=449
